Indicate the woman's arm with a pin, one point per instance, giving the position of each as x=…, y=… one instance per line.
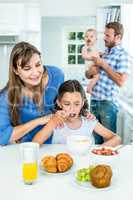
x=21, y=130
x=47, y=130
x=112, y=139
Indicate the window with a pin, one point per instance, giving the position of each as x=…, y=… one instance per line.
x=74, y=41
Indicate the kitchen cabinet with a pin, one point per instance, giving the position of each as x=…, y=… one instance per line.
x=125, y=126
x=18, y=22
x=32, y=24
x=11, y=18
x=22, y=19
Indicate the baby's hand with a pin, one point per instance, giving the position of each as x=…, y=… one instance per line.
x=95, y=54
x=89, y=89
x=90, y=116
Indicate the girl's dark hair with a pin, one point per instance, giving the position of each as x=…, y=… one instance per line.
x=72, y=86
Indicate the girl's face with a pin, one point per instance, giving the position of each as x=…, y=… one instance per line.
x=31, y=73
x=72, y=104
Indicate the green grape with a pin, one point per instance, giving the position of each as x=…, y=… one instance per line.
x=88, y=177
x=83, y=174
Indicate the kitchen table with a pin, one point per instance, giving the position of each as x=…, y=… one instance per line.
x=64, y=187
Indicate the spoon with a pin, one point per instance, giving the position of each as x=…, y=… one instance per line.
x=119, y=147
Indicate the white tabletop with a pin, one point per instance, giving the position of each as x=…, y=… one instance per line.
x=64, y=187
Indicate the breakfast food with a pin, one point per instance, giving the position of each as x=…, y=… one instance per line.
x=101, y=176
x=105, y=151
x=83, y=175
x=64, y=162
x=48, y=163
x=60, y=163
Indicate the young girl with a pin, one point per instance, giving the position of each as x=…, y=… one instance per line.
x=72, y=108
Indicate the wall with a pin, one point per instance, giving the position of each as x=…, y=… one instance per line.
x=52, y=46
x=101, y=2
x=68, y=8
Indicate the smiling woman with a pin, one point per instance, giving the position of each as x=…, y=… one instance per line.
x=27, y=101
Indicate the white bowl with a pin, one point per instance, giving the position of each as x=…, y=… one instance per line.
x=78, y=144
x=104, y=159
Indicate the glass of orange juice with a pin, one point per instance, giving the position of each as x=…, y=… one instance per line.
x=29, y=151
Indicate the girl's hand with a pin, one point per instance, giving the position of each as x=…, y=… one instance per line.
x=90, y=116
x=59, y=118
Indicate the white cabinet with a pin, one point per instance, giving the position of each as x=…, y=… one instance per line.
x=32, y=12
x=18, y=22
x=11, y=18
x=32, y=24
x=22, y=19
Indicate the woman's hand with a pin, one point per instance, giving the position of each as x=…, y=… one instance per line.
x=59, y=118
x=43, y=120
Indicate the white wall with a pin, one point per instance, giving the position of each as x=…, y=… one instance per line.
x=74, y=7
x=68, y=8
x=52, y=46
x=101, y=2
x=19, y=1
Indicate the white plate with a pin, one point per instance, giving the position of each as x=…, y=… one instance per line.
x=57, y=173
x=88, y=186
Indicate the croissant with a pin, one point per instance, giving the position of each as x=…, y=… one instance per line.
x=48, y=163
x=61, y=163
x=66, y=157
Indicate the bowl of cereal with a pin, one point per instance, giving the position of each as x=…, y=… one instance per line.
x=78, y=144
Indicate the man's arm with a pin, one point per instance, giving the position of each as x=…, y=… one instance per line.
x=118, y=78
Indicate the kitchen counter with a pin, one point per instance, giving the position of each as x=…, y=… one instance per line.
x=126, y=106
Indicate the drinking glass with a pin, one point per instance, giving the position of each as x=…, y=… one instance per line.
x=29, y=153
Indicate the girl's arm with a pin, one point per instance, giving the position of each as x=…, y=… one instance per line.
x=46, y=131
x=21, y=130
x=112, y=139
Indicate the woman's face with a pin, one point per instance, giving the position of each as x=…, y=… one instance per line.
x=31, y=73
x=72, y=104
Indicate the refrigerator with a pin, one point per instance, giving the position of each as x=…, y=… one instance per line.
x=7, y=42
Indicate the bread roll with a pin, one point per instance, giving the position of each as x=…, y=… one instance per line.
x=101, y=176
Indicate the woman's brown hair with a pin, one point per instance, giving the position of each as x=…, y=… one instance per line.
x=23, y=52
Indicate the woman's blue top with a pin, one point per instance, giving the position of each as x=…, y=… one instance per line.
x=29, y=110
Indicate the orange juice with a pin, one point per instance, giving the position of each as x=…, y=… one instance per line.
x=30, y=172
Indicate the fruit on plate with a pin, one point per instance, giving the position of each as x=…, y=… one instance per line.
x=101, y=176
x=83, y=175
x=105, y=151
